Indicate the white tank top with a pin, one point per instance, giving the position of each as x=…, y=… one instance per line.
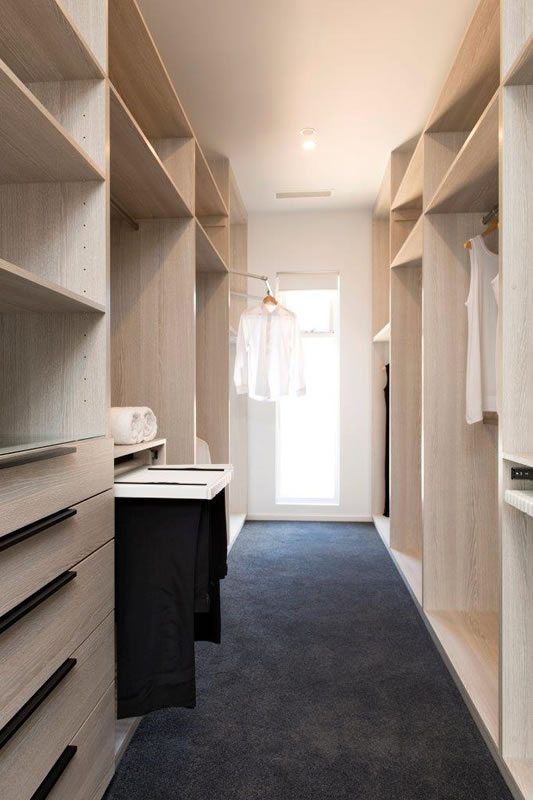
x=482, y=323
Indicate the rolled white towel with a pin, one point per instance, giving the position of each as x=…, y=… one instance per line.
x=126, y=425
x=150, y=424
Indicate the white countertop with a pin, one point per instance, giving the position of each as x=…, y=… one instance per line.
x=174, y=481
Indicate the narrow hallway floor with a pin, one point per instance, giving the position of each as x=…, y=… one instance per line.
x=326, y=685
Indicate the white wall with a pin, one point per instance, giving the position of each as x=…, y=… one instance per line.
x=340, y=241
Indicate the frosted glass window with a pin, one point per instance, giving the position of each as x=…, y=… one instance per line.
x=307, y=429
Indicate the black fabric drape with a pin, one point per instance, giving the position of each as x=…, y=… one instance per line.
x=386, y=510
x=170, y=556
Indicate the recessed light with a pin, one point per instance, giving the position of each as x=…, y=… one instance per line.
x=309, y=138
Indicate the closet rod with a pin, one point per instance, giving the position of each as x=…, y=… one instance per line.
x=134, y=224
x=263, y=278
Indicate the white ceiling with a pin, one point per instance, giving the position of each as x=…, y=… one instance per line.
x=252, y=73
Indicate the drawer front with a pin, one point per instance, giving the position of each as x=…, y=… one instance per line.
x=92, y=766
x=38, y=643
x=29, y=565
x=29, y=754
x=31, y=491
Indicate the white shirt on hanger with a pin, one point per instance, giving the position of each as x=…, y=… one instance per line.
x=269, y=359
x=482, y=322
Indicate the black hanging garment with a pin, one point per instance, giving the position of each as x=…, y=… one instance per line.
x=169, y=558
x=386, y=510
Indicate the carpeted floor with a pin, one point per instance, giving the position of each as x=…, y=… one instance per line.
x=327, y=685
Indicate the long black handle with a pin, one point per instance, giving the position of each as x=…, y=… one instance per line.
x=55, y=773
x=34, y=600
x=36, y=527
x=16, y=722
x=30, y=456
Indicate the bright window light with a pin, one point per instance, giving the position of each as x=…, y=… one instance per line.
x=307, y=429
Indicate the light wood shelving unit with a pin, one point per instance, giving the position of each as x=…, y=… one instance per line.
x=466, y=552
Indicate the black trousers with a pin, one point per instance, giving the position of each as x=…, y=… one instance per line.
x=169, y=558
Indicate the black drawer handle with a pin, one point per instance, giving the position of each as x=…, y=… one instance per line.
x=16, y=722
x=34, y=600
x=55, y=773
x=36, y=527
x=30, y=456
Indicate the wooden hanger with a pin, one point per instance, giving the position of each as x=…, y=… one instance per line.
x=491, y=227
x=269, y=299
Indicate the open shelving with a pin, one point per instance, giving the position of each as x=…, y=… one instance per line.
x=409, y=194
x=34, y=147
x=410, y=253
x=140, y=76
x=470, y=641
x=524, y=459
x=140, y=183
x=475, y=73
x=45, y=45
x=209, y=200
x=208, y=259
x=21, y=290
x=471, y=182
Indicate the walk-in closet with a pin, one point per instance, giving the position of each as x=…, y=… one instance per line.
x=266, y=417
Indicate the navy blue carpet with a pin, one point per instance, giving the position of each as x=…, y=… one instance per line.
x=327, y=685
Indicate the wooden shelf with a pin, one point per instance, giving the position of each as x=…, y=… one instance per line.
x=470, y=641
x=410, y=567
x=209, y=201
x=140, y=184
x=21, y=290
x=34, y=148
x=383, y=335
x=521, y=72
x=522, y=500
x=409, y=194
x=139, y=75
x=522, y=772
x=208, y=259
x=525, y=459
x=475, y=73
x=471, y=183
x=410, y=253
x=382, y=525
x=120, y=450
x=44, y=45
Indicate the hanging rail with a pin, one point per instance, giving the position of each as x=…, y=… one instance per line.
x=263, y=278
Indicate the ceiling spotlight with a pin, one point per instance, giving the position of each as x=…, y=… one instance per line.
x=309, y=138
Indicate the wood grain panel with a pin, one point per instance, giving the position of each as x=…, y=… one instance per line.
x=177, y=156
x=80, y=107
x=441, y=152
x=57, y=368
x=406, y=399
x=517, y=289
x=380, y=273
x=517, y=28
x=34, y=562
x=42, y=739
x=54, y=484
x=92, y=768
x=153, y=341
x=212, y=348
x=460, y=460
x=37, y=645
x=58, y=231
x=20, y=290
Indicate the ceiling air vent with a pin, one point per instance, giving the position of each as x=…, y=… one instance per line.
x=300, y=195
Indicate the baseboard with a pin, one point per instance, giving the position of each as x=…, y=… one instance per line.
x=307, y=518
